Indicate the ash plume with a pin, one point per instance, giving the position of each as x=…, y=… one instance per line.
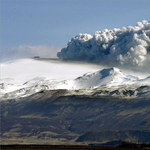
x=118, y=47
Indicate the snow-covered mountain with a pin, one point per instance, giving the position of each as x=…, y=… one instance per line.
x=111, y=78
x=32, y=91
x=106, y=77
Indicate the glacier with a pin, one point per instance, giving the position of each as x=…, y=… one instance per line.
x=108, y=79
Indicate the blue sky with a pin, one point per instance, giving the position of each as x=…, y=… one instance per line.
x=54, y=22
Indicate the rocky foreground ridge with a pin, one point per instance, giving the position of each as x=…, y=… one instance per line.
x=62, y=117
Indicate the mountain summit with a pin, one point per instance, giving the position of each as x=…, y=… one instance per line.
x=106, y=77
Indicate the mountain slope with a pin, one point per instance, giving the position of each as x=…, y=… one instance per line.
x=63, y=116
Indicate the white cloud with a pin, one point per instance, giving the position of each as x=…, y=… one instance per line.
x=27, y=51
x=125, y=47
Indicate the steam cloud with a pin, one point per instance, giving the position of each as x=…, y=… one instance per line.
x=26, y=51
x=126, y=46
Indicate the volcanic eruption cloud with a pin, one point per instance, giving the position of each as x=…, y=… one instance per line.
x=118, y=47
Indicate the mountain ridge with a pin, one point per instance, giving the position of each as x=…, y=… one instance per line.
x=112, y=78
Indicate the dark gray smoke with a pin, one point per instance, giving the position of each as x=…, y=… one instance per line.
x=126, y=47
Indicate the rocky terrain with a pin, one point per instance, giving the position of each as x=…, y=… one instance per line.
x=59, y=116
